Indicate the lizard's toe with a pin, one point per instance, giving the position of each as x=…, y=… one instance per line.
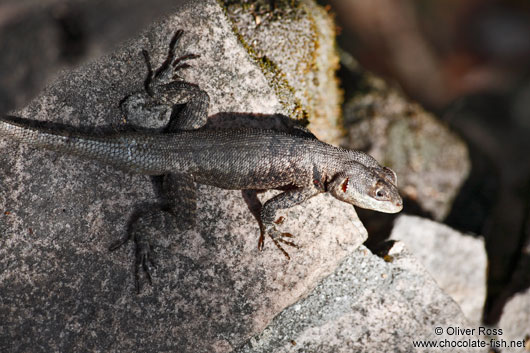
x=287, y=242
x=179, y=61
x=277, y=237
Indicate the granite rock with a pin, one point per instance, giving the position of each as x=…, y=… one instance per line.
x=515, y=322
x=370, y=305
x=431, y=161
x=61, y=289
x=456, y=261
x=294, y=44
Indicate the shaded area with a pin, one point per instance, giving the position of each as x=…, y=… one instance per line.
x=497, y=191
x=39, y=38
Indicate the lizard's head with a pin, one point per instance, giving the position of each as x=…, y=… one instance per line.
x=365, y=187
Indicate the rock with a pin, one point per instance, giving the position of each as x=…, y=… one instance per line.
x=515, y=323
x=368, y=305
x=40, y=38
x=457, y=262
x=295, y=47
x=61, y=289
x=431, y=161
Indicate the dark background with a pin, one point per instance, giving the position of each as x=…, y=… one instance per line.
x=468, y=61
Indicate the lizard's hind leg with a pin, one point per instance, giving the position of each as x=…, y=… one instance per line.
x=169, y=69
x=181, y=106
x=167, y=102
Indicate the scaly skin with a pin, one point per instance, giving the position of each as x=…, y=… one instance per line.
x=248, y=159
x=234, y=159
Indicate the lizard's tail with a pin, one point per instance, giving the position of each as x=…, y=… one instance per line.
x=123, y=151
x=27, y=132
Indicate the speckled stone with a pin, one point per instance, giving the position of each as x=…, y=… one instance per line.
x=456, y=261
x=431, y=161
x=60, y=288
x=369, y=305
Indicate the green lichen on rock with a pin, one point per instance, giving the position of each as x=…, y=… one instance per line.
x=293, y=43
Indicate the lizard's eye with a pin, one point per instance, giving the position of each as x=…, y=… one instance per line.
x=380, y=193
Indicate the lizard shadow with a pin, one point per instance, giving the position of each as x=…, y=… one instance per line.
x=224, y=120
x=240, y=120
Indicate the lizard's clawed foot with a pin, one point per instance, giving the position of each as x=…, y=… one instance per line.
x=179, y=65
x=277, y=237
x=163, y=90
x=169, y=69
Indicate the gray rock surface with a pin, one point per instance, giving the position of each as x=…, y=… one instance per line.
x=431, y=161
x=457, y=262
x=515, y=322
x=368, y=305
x=60, y=288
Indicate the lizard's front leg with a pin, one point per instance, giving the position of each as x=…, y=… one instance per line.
x=284, y=200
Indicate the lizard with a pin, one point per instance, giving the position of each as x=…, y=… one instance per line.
x=187, y=152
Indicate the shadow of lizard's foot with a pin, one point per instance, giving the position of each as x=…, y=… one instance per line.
x=145, y=260
x=142, y=228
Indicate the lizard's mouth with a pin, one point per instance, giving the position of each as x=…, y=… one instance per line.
x=391, y=207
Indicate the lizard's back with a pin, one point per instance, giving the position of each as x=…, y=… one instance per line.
x=235, y=158
x=226, y=158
